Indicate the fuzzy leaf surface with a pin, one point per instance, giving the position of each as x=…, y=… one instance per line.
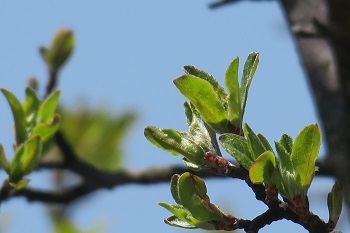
x=173, y=142
x=255, y=146
x=237, y=147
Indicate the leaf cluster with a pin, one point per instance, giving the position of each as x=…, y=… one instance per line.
x=211, y=110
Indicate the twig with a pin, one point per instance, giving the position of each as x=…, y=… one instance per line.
x=108, y=181
x=222, y=3
x=52, y=82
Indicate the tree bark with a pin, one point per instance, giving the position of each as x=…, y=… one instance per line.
x=321, y=31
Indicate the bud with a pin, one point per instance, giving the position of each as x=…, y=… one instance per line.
x=61, y=47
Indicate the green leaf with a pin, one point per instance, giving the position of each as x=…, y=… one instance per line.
x=287, y=142
x=284, y=158
x=263, y=168
x=204, y=75
x=335, y=201
x=183, y=218
x=173, y=142
x=48, y=107
x=31, y=104
x=231, y=77
x=97, y=135
x=237, y=147
x=178, y=210
x=178, y=222
x=248, y=72
x=62, y=224
x=25, y=159
x=199, y=132
x=304, y=154
x=47, y=130
x=255, y=146
x=234, y=102
x=193, y=196
x=18, y=115
x=206, y=100
x=174, y=187
x=60, y=49
x=265, y=143
x=3, y=161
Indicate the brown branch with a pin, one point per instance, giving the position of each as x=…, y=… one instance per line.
x=107, y=181
x=52, y=82
x=313, y=223
x=222, y=3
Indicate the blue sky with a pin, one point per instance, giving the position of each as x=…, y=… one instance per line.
x=126, y=56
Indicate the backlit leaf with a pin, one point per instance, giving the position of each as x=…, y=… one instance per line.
x=48, y=107
x=305, y=151
x=206, y=100
x=204, y=75
x=263, y=168
x=248, y=71
x=25, y=159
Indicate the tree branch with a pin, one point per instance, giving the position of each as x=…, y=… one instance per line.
x=222, y=3
x=107, y=181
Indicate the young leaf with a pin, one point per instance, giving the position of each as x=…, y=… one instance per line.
x=46, y=130
x=178, y=210
x=31, y=103
x=3, y=161
x=334, y=201
x=206, y=100
x=200, y=133
x=178, y=222
x=173, y=142
x=248, y=72
x=255, y=146
x=60, y=49
x=231, y=77
x=174, y=187
x=263, y=168
x=183, y=218
x=26, y=157
x=193, y=196
x=284, y=158
x=237, y=147
x=234, y=102
x=18, y=115
x=287, y=143
x=48, y=107
x=204, y=75
x=265, y=143
x=304, y=153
